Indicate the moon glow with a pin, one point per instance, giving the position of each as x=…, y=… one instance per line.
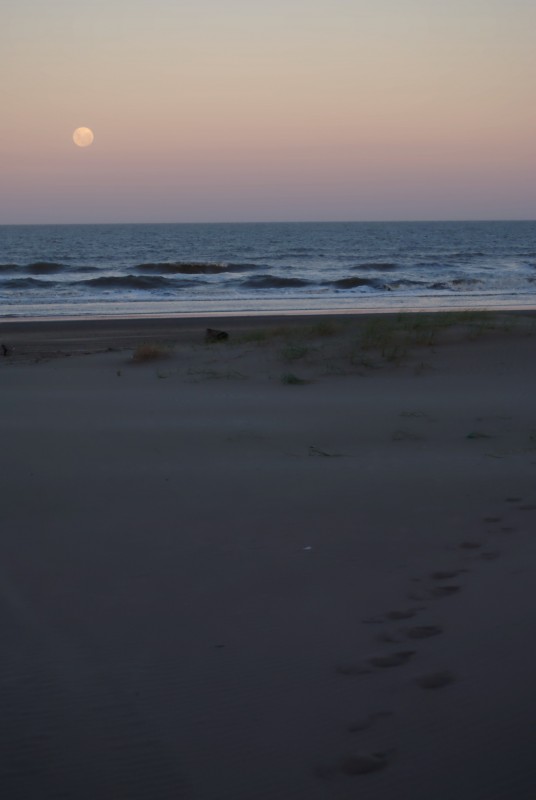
x=83, y=137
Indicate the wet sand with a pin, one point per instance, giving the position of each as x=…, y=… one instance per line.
x=296, y=563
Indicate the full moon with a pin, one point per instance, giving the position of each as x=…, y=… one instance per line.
x=83, y=137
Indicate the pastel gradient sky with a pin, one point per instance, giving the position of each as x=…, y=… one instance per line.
x=241, y=110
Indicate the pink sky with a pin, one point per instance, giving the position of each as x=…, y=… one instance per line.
x=234, y=110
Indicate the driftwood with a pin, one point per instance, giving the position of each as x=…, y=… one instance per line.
x=213, y=335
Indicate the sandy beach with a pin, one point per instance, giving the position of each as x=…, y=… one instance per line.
x=295, y=563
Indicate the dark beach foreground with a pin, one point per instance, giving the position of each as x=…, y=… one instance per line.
x=295, y=563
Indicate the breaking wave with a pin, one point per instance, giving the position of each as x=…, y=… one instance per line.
x=44, y=268
x=353, y=283
x=133, y=282
x=404, y=282
x=455, y=283
x=381, y=266
x=192, y=268
x=274, y=282
x=27, y=283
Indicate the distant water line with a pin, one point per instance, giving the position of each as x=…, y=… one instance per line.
x=154, y=270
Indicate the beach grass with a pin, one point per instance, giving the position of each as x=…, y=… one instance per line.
x=150, y=352
x=294, y=352
x=290, y=379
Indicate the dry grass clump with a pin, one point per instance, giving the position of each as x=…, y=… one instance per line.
x=290, y=379
x=267, y=335
x=325, y=327
x=293, y=352
x=149, y=352
x=255, y=336
x=395, y=337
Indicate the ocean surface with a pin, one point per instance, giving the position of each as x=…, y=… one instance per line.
x=182, y=269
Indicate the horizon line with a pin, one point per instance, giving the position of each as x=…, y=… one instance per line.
x=276, y=222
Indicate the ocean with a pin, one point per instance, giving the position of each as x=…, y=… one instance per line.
x=51, y=271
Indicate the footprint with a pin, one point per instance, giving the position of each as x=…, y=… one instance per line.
x=315, y=451
x=389, y=638
x=363, y=763
x=406, y=613
x=490, y=555
x=508, y=528
x=369, y=721
x=513, y=499
x=528, y=507
x=445, y=591
x=444, y=575
x=372, y=621
x=470, y=545
x=424, y=631
x=436, y=680
x=491, y=519
x=392, y=660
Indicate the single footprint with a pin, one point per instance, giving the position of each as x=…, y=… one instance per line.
x=424, y=631
x=363, y=763
x=368, y=722
x=490, y=555
x=513, y=499
x=372, y=621
x=470, y=545
x=436, y=680
x=392, y=660
x=445, y=591
x=406, y=613
x=528, y=507
x=491, y=519
x=389, y=638
x=445, y=575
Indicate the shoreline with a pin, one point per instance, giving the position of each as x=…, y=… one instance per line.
x=119, y=333
x=365, y=309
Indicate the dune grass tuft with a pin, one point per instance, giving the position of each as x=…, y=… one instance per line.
x=289, y=379
x=293, y=352
x=325, y=327
x=256, y=336
x=150, y=352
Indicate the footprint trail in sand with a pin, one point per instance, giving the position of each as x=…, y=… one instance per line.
x=366, y=761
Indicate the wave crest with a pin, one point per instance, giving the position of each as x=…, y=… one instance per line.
x=273, y=282
x=377, y=266
x=192, y=268
x=352, y=283
x=133, y=282
x=26, y=283
x=44, y=268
